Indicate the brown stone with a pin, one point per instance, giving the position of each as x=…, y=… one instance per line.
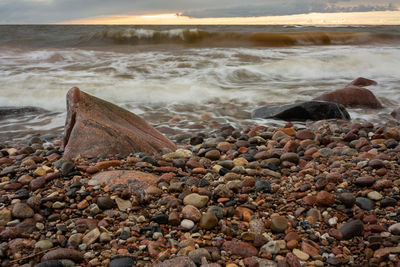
x=136, y=180
x=63, y=253
x=292, y=260
x=305, y=134
x=182, y=261
x=360, y=81
x=190, y=212
x=325, y=199
x=240, y=248
x=352, y=96
x=94, y=126
x=310, y=247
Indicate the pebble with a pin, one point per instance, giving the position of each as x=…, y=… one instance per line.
x=208, y=221
x=300, y=254
x=374, y=195
x=187, y=224
x=22, y=210
x=44, y=244
x=365, y=203
x=123, y=205
x=198, y=254
x=122, y=262
x=272, y=247
x=196, y=200
x=190, y=212
x=105, y=203
x=352, y=229
x=279, y=224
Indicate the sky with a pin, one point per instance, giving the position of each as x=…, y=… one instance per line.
x=185, y=11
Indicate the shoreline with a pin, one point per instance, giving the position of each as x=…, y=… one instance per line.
x=270, y=195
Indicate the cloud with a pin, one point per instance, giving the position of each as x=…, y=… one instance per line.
x=51, y=11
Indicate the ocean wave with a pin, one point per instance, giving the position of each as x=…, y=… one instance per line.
x=197, y=37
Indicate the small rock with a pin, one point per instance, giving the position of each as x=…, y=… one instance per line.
x=196, y=200
x=300, y=254
x=5, y=217
x=208, y=220
x=122, y=262
x=240, y=248
x=187, y=224
x=44, y=244
x=22, y=210
x=395, y=229
x=352, y=229
x=197, y=255
x=374, y=195
x=190, y=212
x=325, y=199
x=365, y=203
x=182, y=261
x=279, y=224
x=63, y=253
x=290, y=156
x=123, y=205
x=91, y=237
x=105, y=203
x=272, y=247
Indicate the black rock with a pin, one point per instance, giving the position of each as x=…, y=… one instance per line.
x=310, y=110
x=388, y=202
x=50, y=263
x=352, y=229
x=105, y=203
x=14, y=112
x=263, y=186
x=365, y=203
x=348, y=199
x=122, y=262
x=160, y=219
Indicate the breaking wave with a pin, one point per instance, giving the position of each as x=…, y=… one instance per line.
x=198, y=37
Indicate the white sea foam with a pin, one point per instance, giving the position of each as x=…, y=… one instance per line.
x=42, y=77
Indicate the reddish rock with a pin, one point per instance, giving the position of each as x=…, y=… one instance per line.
x=102, y=165
x=364, y=181
x=325, y=199
x=360, y=81
x=292, y=260
x=352, y=96
x=251, y=262
x=292, y=236
x=309, y=200
x=37, y=183
x=154, y=248
x=310, y=247
x=240, y=248
x=137, y=181
x=10, y=233
x=94, y=126
x=335, y=233
x=305, y=134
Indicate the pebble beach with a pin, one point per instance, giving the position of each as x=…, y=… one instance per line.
x=325, y=194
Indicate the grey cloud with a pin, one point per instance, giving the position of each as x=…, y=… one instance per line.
x=31, y=11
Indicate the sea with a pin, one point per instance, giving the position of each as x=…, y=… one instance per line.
x=184, y=79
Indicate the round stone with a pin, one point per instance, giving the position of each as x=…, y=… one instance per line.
x=213, y=154
x=218, y=211
x=196, y=200
x=22, y=211
x=348, y=199
x=187, y=224
x=374, y=195
x=190, y=212
x=122, y=262
x=208, y=220
x=325, y=199
x=365, y=203
x=44, y=244
x=279, y=224
x=105, y=203
x=352, y=229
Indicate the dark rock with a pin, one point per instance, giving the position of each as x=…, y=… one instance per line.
x=311, y=110
x=348, y=199
x=94, y=126
x=105, y=203
x=365, y=203
x=160, y=219
x=263, y=186
x=352, y=229
x=56, y=263
x=388, y=202
x=122, y=262
x=67, y=167
x=364, y=181
x=14, y=112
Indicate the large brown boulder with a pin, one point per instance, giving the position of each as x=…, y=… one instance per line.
x=352, y=96
x=94, y=126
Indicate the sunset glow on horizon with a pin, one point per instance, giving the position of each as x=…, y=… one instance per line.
x=347, y=18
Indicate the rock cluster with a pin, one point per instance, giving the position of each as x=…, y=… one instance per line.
x=324, y=195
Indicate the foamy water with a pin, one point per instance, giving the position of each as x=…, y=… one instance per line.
x=160, y=82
